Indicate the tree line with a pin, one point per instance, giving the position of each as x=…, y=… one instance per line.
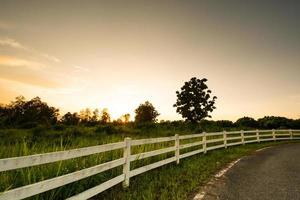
x=22, y=113
x=194, y=102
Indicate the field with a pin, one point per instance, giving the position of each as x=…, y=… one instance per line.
x=168, y=182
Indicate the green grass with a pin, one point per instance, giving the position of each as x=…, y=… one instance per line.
x=181, y=181
x=168, y=182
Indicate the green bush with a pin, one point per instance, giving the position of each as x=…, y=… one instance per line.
x=28, y=125
x=107, y=128
x=39, y=131
x=59, y=127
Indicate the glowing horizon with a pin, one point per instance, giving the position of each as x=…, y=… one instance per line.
x=115, y=55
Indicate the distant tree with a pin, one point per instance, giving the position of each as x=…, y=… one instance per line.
x=15, y=112
x=273, y=122
x=194, y=101
x=105, y=116
x=118, y=121
x=3, y=115
x=18, y=103
x=126, y=118
x=247, y=122
x=224, y=123
x=207, y=123
x=39, y=111
x=70, y=119
x=295, y=124
x=146, y=113
x=95, y=117
x=30, y=113
x=85, y=116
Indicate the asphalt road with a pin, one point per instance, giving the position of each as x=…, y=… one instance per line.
x=270, y=174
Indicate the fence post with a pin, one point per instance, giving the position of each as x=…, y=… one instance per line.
x=273, y=134
x=291, y=134
x=243, y=137
x=177, y=148
x=126, y=166
x=225, y=139
x=204, y=142
x=257, y=135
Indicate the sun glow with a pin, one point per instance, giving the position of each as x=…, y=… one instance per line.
x=116, y=57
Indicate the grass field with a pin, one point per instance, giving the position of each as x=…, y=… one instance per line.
x=168, y=182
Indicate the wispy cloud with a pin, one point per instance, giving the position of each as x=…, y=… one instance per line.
x=80, y=68
x=12, y=43
x=26, y=72
x=15, y=44
x=33, y=80
x=16, y=62
x=49, y=57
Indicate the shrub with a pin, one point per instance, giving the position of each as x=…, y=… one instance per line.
x=28, y=125
x=59, y=127
x=39, y=131
x=146, y=126
x=107, y=128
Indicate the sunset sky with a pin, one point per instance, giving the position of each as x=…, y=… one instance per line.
x=118, y=54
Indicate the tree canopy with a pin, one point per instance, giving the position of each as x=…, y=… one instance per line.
x=105, y=117
x=70, y=118
x=246, y=122
x=194, y=101
x=21, y=112
x=146, y=113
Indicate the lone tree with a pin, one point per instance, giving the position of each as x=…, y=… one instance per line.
x=194, y=101
x=145, y=113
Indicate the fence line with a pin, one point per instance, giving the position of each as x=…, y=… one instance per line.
x=38, y=159
x=208, y=142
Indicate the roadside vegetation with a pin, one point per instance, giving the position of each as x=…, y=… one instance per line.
x=178, y=182
x=168, y=182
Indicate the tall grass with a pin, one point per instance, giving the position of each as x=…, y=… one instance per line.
x=16, y=142
x=189, y=174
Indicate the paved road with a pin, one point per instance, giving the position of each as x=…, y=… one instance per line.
x=270, y=174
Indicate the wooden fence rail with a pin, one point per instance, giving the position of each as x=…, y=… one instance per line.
x=205, y=142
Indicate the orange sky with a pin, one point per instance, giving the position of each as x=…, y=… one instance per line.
x=117, y=55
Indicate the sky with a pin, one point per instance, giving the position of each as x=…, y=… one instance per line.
x=118, y=54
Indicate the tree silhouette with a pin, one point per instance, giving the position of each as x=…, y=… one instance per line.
x=95, y=117
x=105, y=116
x=275, y=122
x=85, y=116
x=126, y=118
x=145, y=113
x=30, y=113
x=194, y=101
x=70, y=119
x=246, y=122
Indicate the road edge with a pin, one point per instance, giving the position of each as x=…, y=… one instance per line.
x=202, y=191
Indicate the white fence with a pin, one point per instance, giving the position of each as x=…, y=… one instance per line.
x=209, y=141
